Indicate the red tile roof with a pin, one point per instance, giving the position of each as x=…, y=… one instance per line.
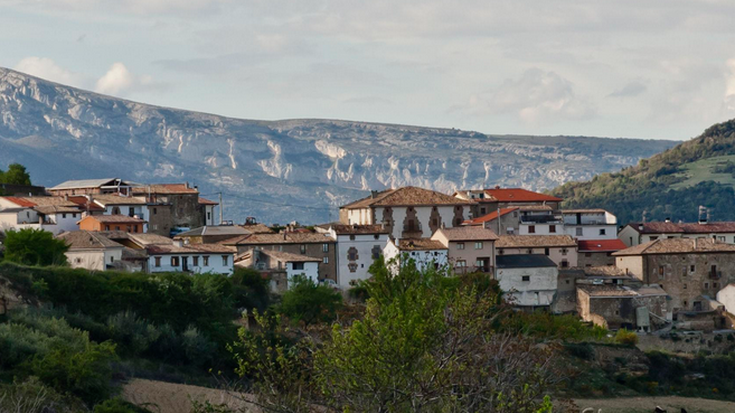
x=205, y=201
x=165, y=189
x=517, y=195
x=684, y=228
x=84, y=203
x=20, y=201
x=489, y=217
x=601, y=245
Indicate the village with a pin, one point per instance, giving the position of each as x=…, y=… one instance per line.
x=642, y=276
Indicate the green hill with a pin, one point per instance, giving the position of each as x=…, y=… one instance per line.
x=671, y=184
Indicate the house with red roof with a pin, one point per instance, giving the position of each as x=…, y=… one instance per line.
x=598, y=253
x=486, y=201
x=54, y=214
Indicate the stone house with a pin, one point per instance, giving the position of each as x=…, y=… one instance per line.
x=487, y=201
x=279, y=266
x=407, y=212
x=561, y=249
x=596, y=253
x=469, y=249
x=691, y=271
x=358, y=246
x=617, y=306
x=529, y=280
x=309, y=244
x=640, y=233
x=186, y=212
x=424, y=252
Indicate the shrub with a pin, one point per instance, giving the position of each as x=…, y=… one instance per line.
x=134, y=334
x=309, y=302
x=117, y=405
x=34, y=247
x=198, y=349
x=629, y=338
x=584, y=351
x=32, y=396
x=250, y=290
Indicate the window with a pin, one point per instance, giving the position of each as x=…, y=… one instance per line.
x=715, y=285
x=706, y=286
x=478, y=245
x=483, y=211
x=302, y=248
x=298, y=266
x=480, y=264
x=129, y=229
x=461, y=263
x=107, y=227
x=63, y=215
x=325, y=247
x=564, y=264
x=131, y=211
x=564, y=251
x=112, y=259
x=684, y=286
x=515, y=214
x=546, y=251
x=500, y=251
x=660, y=270
x=74, y=215
x=691, y=268
x=526, y=278
x=578, y=231
x=158, y=261
x=155, y=211
x=529, y=251
x=352, y=254
x=602, y=231
x=722, y=239
x=552, y=229
x=117, y=228
x=225, y=260
x=376, y=236
x=532, y=229
x=78, y=260
x=195, y=261
x=352, y=237
x=460, y=245
x=209, y=216
x=205, y=260
x=325, y=260
x=174, y=261
x=135, y=228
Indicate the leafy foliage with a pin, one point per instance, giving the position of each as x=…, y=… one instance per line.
x=626, y=337
x=34, y=247
x=309, y=302
x=647, y=187
x=15, y=175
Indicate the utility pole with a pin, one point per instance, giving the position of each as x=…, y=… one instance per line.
x=499, y=220
x=221, y=210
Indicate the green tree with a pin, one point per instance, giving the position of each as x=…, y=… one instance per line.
x=309, y=302
x=251, y=291
x=15, y=175
x=34, y=247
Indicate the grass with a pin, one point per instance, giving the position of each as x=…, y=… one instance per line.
x=702, y=170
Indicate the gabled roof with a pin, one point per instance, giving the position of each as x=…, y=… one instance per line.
x=419, y=244
x=524, y=261
x=602, y=245
x=162, y=249
x=469, y=233
x=165, y=189
x=517, y=195
x=214, y=230
x=21, y=202
x=115, y=219
x=89, y=183
x=85, y=204
x=117, y=199
x=683, y=228
x=678, y=246
x=535, y=241
x=491, y=216
x=406, y=196
x=205, y=201
x=283, y=238
x=344, y=229
x=78, y=240
x=289, y=257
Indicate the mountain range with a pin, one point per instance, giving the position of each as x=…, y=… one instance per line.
x=672, y=184
x=278, y=171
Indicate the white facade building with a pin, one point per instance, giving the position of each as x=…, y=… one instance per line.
x=91, y=250
x=590, y=224
x=52, y=214
x=195, y=258
x=528, y=280
x=640, y=233
x=358, y=246
x=424, y=252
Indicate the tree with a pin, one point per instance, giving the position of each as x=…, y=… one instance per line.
x=34, y=247
x=251, y=290
x=15, y=175
x=309, y=302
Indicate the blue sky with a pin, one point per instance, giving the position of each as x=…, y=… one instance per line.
x=644, y=69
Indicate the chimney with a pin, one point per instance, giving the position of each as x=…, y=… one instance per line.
x=640, y=227
x=178, y=243
x=443, y=225
x=66, y=197
x=667, y=219
x=497, y=186
x=703, y=214
x=373, y=194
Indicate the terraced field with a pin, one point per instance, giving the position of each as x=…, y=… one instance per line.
x=703, y=170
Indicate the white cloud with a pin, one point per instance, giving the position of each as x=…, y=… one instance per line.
x=535, y=97
x=140, y=7
x=46, y=68
x=730, y=86
x=119, y=80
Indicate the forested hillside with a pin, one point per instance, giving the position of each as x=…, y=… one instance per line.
x=672, y=184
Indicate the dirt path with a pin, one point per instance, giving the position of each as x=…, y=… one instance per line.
x=162, y=397
x=648, y=404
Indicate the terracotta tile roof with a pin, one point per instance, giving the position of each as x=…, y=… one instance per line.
x=57, y=209
x=115, y=219
x=535, y=208
x=531, y=241
x=605, y=271
x=85, y=204
x=405, y=196
x=469, y=233
x=115, y=199
x=215, y=230
x=603, y=245
x=343, y=229
x=78, y=240
x=491, y=216
x=283, y=238
x=289, y=257
x=684, y=228
x=678, y=246
x=20, y=201
x=257, y=228
x=148, y=239
x=165, y=189
x=190, y=249
x=517, y=195
x=620, y=291
x=31, y=201
x=205, y=201
x=419, y=244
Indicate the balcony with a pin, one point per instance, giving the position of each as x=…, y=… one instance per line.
x=541, y=219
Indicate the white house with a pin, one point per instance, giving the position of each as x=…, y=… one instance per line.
x=116, y=204
x=423, y=252
x=561, y=249
x=590, y=224
x=279, y=266
x=91, y=250
x=53, y=214
x=209, y=218
x=358, y=246
x=196, y=258
x=407, y=212
x=528, y=280
x=640, y=233
x=539, y=220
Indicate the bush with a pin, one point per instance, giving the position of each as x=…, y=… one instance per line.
x=134, y=334
x=251, y=291
x=118, y=406
x=309, y=302
x=584, y=351
x=34, y=247
x=32, y=396
x=629, y=338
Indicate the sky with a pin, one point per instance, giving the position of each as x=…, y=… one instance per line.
x=624, y=68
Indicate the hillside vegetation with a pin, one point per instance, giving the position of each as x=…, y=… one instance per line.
x=672, y=184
